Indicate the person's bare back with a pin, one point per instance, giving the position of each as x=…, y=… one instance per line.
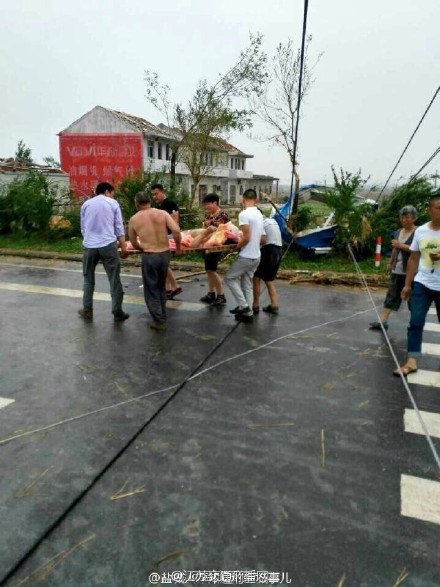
x=148, y=230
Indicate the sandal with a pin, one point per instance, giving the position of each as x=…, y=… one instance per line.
x=171, y=295
x=405, y=371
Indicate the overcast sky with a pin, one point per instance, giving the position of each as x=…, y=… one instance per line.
x=380, y=68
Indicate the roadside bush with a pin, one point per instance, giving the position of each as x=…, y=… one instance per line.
x=304, y=217
x=73, y=217
x=27, y=204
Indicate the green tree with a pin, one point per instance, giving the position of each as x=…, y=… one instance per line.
x=353, y=219
x=197, y=128
x=52, y=162
x=23, y=153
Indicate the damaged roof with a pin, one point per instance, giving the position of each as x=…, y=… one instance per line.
x=14, y=164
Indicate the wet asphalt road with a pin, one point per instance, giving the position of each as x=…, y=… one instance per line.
x=284, y=450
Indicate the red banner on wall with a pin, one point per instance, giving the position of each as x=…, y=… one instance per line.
x=92, y=158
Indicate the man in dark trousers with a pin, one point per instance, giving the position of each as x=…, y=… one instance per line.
x=101, y=227
x=147, y=230
x=214, y=216
x=163, y=203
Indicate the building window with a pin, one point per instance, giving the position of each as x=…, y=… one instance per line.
x=240, y=189
x=150, y=149
x=159, y=150
x=208, y=159
x=242, y=164
x=232, y=163
x=167, y=152
x=232, y=190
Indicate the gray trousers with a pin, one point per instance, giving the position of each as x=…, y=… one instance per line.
x=154, y=274
x=239, y=280
x=109, y=257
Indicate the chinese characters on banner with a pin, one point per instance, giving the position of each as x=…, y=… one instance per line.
x=92, y=158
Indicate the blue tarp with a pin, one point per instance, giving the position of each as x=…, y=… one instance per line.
x=285, y=210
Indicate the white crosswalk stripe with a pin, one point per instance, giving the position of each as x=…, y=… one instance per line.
x=431, y=349
x=423, y=377
x=432, y=327
x=4, y=401
x=420, y=498
x=431, y=420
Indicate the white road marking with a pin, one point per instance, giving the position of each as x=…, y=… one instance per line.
x=428, y=348
x=5, y=402
x=48, y=267
x=432, y=311
x=420, y=498
x=431, y=420
x=98, y=296
x=432, y=326
x=423, y=377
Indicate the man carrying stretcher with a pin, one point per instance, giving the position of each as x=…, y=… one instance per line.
x=214, y=216
x=148, y=232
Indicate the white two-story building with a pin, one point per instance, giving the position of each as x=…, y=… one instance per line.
x=227, y=172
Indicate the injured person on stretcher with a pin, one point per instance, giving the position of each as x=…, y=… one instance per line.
x=204, y=238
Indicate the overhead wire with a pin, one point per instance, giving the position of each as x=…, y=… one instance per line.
x=408, y=143
x=436, y=152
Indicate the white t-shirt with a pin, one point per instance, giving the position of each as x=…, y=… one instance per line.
x=273, y=232
x=427, y=241
x=252, y=216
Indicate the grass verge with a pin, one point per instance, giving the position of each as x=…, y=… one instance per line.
x=291, y=260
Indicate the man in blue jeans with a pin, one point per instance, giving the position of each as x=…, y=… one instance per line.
x=424, y=268
x=101, y=227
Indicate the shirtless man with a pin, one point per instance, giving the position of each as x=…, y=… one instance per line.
x=147, y=231
x=164, y=203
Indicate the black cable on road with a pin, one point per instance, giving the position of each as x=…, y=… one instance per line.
x=408, y=143
x=112, y=461
x=436, y=152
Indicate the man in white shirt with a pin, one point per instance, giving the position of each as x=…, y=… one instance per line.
x=241, y=272
x=424, y=268
x=271, y=254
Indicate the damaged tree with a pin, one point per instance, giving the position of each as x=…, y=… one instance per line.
x=277, y=105
x=198, y=129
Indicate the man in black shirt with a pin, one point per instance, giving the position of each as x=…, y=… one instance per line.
x=163, y=203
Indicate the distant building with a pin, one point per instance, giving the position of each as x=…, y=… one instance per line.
x=105, y=145
x=12, y=168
